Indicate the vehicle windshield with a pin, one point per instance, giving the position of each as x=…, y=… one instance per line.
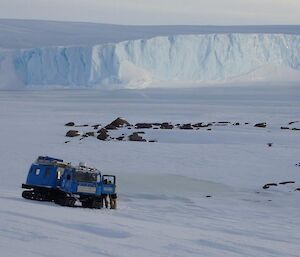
x=85, y=176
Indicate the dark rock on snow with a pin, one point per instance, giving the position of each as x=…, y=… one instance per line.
x=136, y=137
x=103, y=135
x=260, y=125
x=80, y=126
x=70, y=124
x=96, y=126
x=119, y=122
x=266, y=186
x=72, y=133
x=186, y=126
x=287, y=182
x=143, y=125
x=89, y=134
x=110, y=127
x=166, y=125
x=197, y=125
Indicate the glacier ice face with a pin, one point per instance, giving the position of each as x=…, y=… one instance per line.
x=207, y=57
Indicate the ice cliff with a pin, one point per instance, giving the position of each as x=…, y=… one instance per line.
x=195, y=58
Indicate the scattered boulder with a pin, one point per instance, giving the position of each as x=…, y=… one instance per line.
x=156, y=124
x=292, y=122
x=89, y=134
x=270, y=144
x=103, y=135
x=286, y=182
x=209, y=129
x=284, y=128
x=266, y=186
x=96, y=126
x=197, y=125
x=120, y=138
x=186, y=126
x=119, y=122
x=152, y=141
x=236, y=124
x=208, y=196
x=140, y=132
x=70, y=124
x=102, y=130
x=166, y=125
x=72, y=133
x=222, y=123
x=110, y=127
x=67, y=142
x=201, y=125
x=143, y=125
x=246, y=123
x=136, y=137
x=295, y=128
x=80, y=126
x=260, y=125
x=297, y=189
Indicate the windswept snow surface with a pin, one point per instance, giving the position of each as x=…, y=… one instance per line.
x=58, y=54
x=162, y=208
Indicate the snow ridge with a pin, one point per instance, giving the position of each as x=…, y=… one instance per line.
x=132, y=63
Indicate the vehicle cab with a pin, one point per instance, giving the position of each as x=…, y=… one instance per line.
x=81, y=180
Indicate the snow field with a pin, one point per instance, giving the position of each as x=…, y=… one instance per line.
x=163, y=208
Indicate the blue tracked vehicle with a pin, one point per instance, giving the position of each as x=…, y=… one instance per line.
x=51, y=179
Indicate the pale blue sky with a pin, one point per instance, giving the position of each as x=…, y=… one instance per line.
x=219, y=12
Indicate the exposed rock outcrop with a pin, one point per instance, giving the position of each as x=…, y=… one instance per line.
x=72, y=133
x=70, y=124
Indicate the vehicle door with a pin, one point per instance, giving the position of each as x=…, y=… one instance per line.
x=108, y=184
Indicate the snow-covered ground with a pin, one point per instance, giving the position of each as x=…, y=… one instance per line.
x=163, y=208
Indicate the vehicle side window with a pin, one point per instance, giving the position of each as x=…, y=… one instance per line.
x=60, y=172
x=37, y=171
x=98, y=178
x=107, y=179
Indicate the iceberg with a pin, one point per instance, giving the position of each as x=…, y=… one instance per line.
x=134, y=63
